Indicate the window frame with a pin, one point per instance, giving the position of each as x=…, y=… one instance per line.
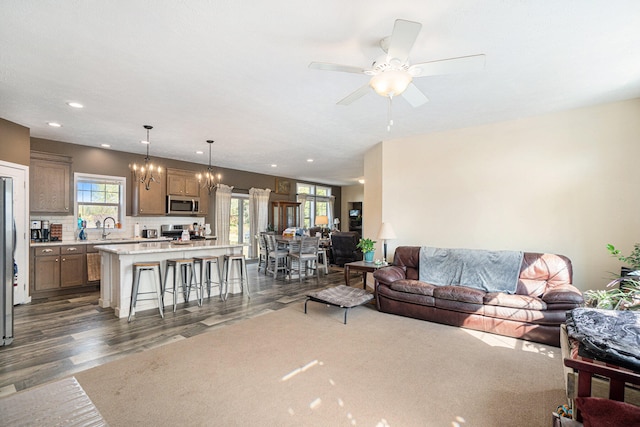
x=80, y=177
x=313, y=199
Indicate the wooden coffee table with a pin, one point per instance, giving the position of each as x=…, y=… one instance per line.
x=365, y=267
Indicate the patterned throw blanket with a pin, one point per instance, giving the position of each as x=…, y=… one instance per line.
x=490, y=271
x=611, y=336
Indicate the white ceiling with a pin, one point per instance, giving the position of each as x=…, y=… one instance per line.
x=237, y=72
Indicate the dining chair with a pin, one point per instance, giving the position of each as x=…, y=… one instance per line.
x=303, y=253
x=263, y=252
x=276, y=258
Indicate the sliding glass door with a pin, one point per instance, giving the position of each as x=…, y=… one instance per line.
x=239, y=228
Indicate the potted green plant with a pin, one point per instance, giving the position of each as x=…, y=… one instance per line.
x=626, y=293
x=367, y=246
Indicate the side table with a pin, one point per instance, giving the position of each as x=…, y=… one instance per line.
x=365, y=267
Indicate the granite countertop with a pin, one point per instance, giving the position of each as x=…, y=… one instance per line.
x=115, y=241
x=157, y=247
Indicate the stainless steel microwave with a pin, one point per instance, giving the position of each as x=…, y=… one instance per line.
x=180, y=205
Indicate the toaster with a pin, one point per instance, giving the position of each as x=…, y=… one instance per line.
x=149, y=233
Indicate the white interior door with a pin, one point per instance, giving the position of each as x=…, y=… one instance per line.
x=20, y=175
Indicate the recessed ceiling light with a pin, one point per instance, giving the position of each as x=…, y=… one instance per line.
x=274, y=165
x=75, y=104
x=54, y=124
x=361, y=181
x=309, y=160
x=105, y=145
x=144, y=142
x=199, y=152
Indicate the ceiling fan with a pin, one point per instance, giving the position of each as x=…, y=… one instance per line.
x=392, y=74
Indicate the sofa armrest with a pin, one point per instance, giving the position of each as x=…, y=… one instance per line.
x=390, y=274
x=563, y=294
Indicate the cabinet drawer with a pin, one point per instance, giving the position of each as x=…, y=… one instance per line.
x=46, y=251
x=72, y=249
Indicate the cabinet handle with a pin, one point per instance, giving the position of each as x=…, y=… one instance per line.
x=72, y=249
x=46, y=251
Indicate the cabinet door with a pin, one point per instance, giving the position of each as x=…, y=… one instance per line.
x=46, y=272
x=191, y=186
x=149, y=202
x=72, y=270
x=49, y=186
x=175, y=184
x=203, y=207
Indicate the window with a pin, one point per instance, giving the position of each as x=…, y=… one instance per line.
x=315, y=200
x=99, y=197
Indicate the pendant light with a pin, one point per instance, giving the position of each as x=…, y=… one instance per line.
x=208, y=179
x=147, y=172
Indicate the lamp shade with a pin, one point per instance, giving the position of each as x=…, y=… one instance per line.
x=390, y=82
x=336, y=221
x=386, y=232
x=322, y=220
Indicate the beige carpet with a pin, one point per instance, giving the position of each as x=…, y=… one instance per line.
x=287, y=368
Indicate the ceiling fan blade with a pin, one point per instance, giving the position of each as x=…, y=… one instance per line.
x=353, y=96
x=414, y=96
x=336, y=67
x=462, y=64
x=403, y=37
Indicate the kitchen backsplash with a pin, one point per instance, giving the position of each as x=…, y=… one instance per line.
x=70, y=224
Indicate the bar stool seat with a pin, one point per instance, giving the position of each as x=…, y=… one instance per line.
x=187, y=274
x=138, y=269
x=206, y=262
x=244, y=277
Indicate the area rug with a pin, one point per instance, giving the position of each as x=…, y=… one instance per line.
x=287, y=368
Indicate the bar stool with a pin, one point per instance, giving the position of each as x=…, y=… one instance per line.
x=244, y=277
x=188, y=280
x=206, y=263
x=138, y=269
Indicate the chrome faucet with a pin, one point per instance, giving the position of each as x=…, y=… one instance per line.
x=104, y=224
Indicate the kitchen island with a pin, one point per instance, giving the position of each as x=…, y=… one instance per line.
x=116, y=275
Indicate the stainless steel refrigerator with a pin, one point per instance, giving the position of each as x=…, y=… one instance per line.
x=7, y=247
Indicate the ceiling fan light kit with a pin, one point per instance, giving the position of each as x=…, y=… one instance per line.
x=393, y=75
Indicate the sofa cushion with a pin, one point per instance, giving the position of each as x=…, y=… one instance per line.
x=515, y=301
x=413, y=287
x=459, y=293
x=563, y=294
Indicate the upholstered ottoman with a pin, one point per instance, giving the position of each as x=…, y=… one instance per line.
x=340, y=296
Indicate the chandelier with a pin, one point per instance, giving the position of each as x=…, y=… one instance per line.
x=147, y=172
x=207, y=179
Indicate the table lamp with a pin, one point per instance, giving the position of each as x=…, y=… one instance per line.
x=322, y=221
x=336, y=223
x=386, y=233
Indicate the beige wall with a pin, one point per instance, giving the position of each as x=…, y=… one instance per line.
x=350, y=193
x=563, y=183
x=14, y=143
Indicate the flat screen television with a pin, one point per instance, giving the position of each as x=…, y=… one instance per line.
x=354, y=212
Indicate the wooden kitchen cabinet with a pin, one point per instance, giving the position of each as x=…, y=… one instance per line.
x=72, y=266
x=54, y=268
x=45, y=273
x=203, y=207
x=182, y=183
x=149, y=202
x=50, y=184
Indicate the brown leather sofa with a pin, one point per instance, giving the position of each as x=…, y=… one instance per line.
x=535, y=312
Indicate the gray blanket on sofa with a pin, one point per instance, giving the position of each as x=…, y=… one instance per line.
x=490, y=271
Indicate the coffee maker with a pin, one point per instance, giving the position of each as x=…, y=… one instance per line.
x=45, y=231
x=36, y=235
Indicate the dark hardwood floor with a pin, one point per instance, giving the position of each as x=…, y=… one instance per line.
x=57, y=337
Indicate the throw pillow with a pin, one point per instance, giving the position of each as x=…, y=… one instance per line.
x=599, y=412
